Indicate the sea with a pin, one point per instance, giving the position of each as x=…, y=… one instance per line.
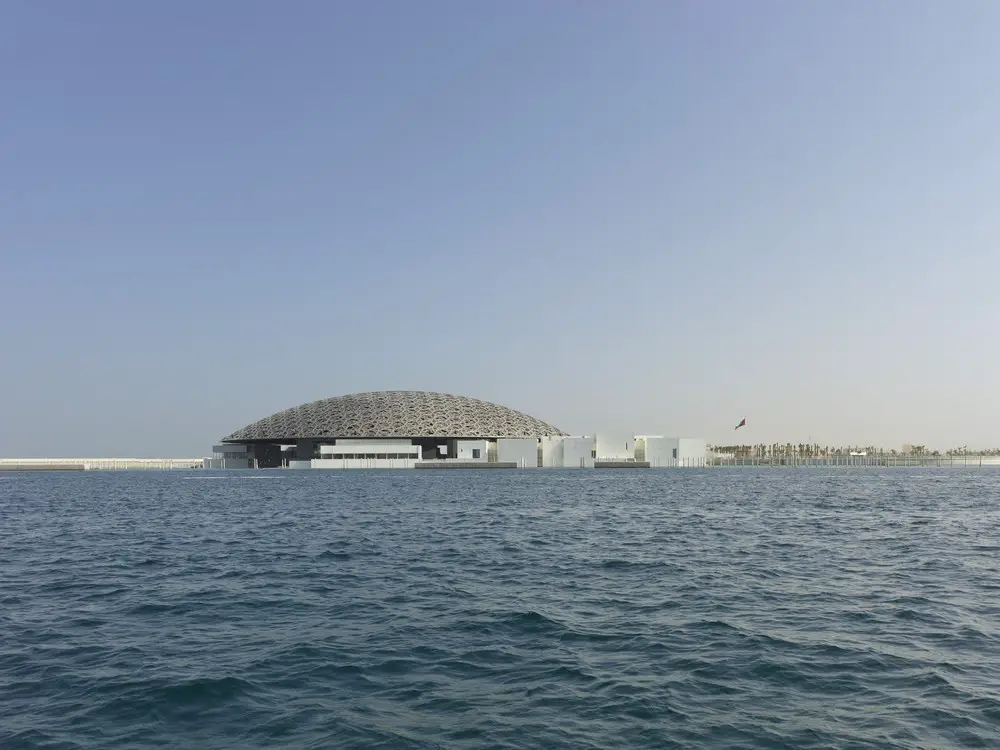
x=686, y=608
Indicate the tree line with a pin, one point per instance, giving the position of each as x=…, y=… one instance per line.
x=806, y=450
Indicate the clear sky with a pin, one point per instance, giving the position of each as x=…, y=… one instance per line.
x=659, y=217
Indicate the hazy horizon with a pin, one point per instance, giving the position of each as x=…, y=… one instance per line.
x=659, y=218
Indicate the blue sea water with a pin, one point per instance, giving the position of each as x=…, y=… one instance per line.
x=507, y=609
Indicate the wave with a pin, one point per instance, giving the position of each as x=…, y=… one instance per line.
x=808, y=611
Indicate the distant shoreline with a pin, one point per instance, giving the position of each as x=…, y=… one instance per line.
x=976, y=461
x=859, y=462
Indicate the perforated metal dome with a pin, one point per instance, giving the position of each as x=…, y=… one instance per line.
x=394, y=414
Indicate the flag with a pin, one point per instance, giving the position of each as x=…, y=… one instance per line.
x=743, y=423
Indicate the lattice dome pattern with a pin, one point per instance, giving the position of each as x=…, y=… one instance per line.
x=399, y=414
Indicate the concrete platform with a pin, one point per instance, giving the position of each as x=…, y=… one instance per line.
x=41, y=467
x=621, y=464
x=463, y=465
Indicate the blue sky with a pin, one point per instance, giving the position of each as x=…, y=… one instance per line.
x=659, y=217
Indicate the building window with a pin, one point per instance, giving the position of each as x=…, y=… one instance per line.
x=476, y=453
x=675, y=453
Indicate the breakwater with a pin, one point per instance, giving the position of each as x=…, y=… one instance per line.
x=39, y=466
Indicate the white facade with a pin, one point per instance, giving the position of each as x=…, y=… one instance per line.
x=365, y=454
x=521, y=451
x=615, y=446
x=556, y=452
x=361, y=463
x=692, y=452
x=659, y=451
x=228, y=456
x=663, y=452
x=552, y=452
x=369, y=449
x=472, y=450
x=578, y=453
x=567, y=452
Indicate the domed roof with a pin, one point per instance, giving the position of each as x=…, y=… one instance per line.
x=394, y=414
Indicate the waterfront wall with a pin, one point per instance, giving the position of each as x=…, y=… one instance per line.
x=97, y=464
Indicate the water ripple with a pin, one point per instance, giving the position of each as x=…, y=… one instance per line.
x=571, y=609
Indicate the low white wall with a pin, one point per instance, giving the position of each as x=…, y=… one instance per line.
x=362, y=444
x=369, y=450
x=363, y=463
